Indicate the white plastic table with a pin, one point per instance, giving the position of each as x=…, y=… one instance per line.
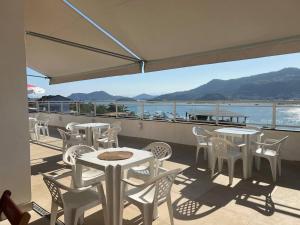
x=245, y=135
x=114, y=171
x=88, y=127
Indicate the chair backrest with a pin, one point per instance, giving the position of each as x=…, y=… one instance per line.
x=200, y=134
x=112, y=134
x=54, y=190
x=117, y=125
x=71, y=127
x=11, y=211
x=159, y=149
x=32, y=124
x=278, y=144
x=163, y=184
x=63, y=134
x=72, y=153
x=220, y=146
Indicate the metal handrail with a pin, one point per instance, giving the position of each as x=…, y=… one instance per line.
x=273, y=105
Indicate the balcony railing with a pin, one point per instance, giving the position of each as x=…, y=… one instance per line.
x=268, y=114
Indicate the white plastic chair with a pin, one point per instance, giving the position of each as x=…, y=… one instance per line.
x=161, y=152
x=69, y=139
x=89, y=175
x=270, y=149
x=73, y=201
x=33, y=129
x=224, y=149
x=202, y=138
x=109, y=138
x=149, y=195
x=71, y=128
x=42, y=127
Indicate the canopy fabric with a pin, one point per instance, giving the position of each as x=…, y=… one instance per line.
x=165, y=34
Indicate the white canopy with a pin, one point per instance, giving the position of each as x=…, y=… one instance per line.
x=164, y=34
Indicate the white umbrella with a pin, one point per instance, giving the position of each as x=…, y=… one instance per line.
x=32, y=89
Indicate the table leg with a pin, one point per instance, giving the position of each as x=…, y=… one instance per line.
x=247, y=159
x=109, y=188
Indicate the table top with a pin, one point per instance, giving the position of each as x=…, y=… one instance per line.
x=139, y=157
x=86, y=125
x=236, y=131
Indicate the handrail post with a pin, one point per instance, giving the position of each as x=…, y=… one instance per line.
x=116, y=105
x=273, y=126
x=217, y=113
x=49, y=110
x=174, y=111
x=142, y=109
x=37, y=106
x=95, y=109
x=62, y=108
x=78, y=108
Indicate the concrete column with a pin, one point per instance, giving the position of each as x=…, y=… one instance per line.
x=14, y=137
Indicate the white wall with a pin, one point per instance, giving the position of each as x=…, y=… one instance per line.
x=172, y=132
x=14, y=145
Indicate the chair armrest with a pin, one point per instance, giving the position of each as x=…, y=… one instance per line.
x=132, y=183
x=242, y=145
x=66, y=188
x=165, y=158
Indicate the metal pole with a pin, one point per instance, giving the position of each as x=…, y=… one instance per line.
x=95, y=109
x=37, y=106
x=49, y=111
x=62, y=107
x=78, y=108
x=174, y=111
x=142, y=110
x=217, y=113
x=116, y=104
x=273, y=116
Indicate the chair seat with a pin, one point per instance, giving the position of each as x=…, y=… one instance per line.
x=204, y=144
x=265, y=152
x=143, y=196
x=235, y=154
x=90, y=176
x=141, y=172
x=77, y=200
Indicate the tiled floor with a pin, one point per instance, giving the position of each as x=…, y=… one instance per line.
x=197, y=199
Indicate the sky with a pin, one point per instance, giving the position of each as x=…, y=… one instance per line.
x=156, y=83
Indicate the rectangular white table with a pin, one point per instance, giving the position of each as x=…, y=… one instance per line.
x=245, y=134
x=88, y=127
x=114, y=172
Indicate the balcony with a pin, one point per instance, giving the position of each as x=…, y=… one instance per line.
x=197, y=199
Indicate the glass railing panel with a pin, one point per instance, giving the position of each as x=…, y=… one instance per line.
x=288, y=116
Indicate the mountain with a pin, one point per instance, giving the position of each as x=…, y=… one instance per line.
x=50, y=98
x=282, y=84
x=97, y=96
x=144, y=97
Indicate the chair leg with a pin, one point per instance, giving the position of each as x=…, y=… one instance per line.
x=279, y=167
x=205, y=153
x=70, y=217
x=230, y=170
x=273, y=164
x=220, y=164
x=53, y=216
x=213, y=166
x=148, y=214
x=197, y=154
x=47, y=131
x=169, y=202
x=257, y=163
